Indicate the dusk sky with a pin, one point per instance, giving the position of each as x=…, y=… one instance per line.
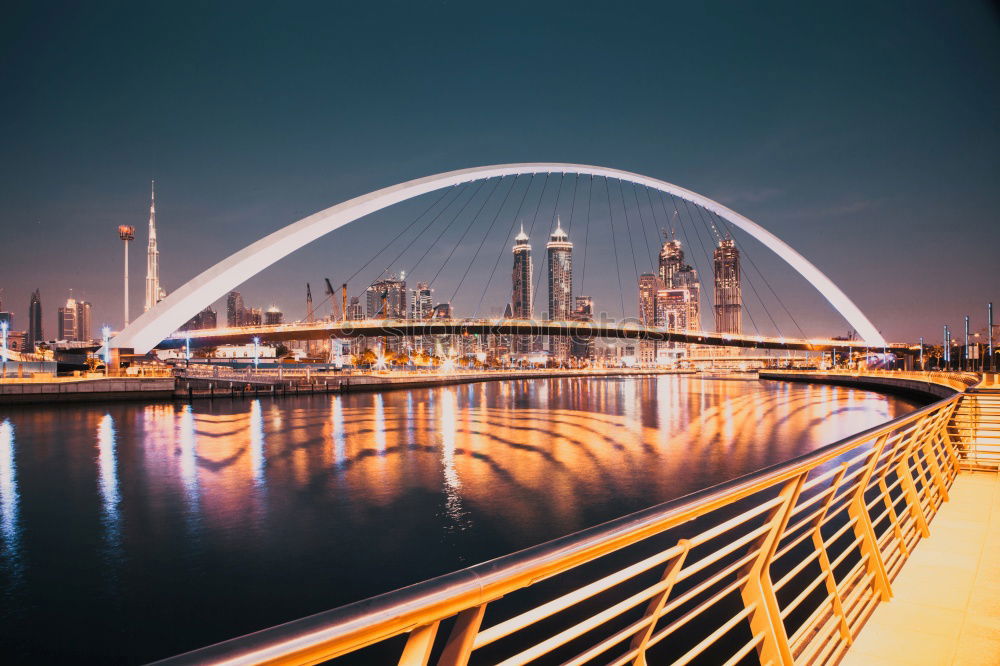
x=868, y=138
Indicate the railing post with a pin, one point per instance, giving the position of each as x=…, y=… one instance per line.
x=824, y=557
x=863, y=528
x=909, y=489
x=459, y=647
x=418, y=646
x=945, y=436
x=655, y=605
x=758, y=591
x=937, y=474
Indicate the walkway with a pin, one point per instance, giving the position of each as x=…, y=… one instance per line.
x=946, y=600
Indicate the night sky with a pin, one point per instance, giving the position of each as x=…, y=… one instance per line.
x=866, y=137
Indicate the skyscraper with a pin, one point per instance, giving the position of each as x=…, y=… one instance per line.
x=35, y=333
x=421, y=307
x=582, y=347
x=273, y=316
x=207, y=318
x=649, y=286
x=67, y=321
x=386, y=298
x=728, y=295
x=234, y=309
x=671, y=261
x=521, y=288
x=560, y=262
x=354, y=310
x=83, y=310
x=421, y=303
x=676, y=274
x=153, y=291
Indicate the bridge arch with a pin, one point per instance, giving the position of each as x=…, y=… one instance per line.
x=169, y=314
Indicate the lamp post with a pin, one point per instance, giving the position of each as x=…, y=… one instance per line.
x=126, y=233
x=3, y=347
x=921, y=353
x=989, y=327
x=105, y=339
x=256, y=352
x=187, y=351
x=965, y=355
x=947, y=348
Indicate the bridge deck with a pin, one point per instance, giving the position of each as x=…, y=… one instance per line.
x=946, y=600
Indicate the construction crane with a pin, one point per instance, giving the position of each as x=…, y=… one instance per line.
x=330, y=293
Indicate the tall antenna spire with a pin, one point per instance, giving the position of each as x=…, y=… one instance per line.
x=153, y=292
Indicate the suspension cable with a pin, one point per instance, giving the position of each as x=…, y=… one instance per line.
x=434, y=243
x=586, y=236
x=464, y=233
x=572, y=208
x=614, y=246
x=552, y=224
x=502, y=246
x=483, y=241
x=635, y=264
x=454, y=189
x=645, y=236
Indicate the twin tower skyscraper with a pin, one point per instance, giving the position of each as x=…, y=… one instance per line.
x=559, y=255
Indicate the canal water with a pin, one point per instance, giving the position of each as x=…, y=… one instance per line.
x=132, y=532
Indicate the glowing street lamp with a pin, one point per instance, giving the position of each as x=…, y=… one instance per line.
x=187, y=350
x=256, y=352
x=3, y=345
x=380, y=363
x=105, y=338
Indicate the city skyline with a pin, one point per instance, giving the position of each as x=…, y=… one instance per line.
x=840, y=193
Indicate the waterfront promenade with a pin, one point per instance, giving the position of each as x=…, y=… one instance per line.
x=945, y=607
x=819, y=545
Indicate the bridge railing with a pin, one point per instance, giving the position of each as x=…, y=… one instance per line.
x=958, y=381
x=788, y=562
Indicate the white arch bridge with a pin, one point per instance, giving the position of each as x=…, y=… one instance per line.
x=157, y=326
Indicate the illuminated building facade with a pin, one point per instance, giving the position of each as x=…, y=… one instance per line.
x=728, y=295
x=560, y=264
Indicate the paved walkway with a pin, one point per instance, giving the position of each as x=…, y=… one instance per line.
x=946, y=599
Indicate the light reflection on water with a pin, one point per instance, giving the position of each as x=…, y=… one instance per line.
x=228, y=516
x=8, y=495
x=107, y=466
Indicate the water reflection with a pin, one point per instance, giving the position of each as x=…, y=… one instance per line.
x=364, y=493
x=107, y=467
x=339, y=439
x=8, y=493
x=188, y=441
x=379, y=416
x=257, y=460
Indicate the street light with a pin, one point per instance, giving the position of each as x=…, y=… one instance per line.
x=187, y=350
x=256, y=352
x=965, y=356
x=126, y=233
x=3, y=346
x=106, y=338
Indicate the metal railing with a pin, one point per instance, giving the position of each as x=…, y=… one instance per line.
x=975, y=426
x=787, y=563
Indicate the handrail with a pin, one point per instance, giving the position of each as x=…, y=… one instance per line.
x=908, y=459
